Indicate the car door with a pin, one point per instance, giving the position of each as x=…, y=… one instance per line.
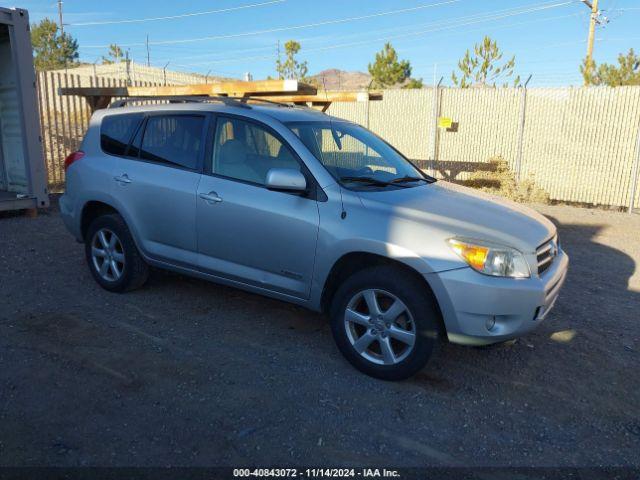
x=156, y=183
x=246, y=232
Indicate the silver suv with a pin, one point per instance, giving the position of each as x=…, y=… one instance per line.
x=294, y=204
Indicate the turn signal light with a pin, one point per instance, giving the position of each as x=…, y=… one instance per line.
x=475, y=255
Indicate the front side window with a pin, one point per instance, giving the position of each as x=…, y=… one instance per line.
x=173, y=139
x=246, y=151
x=116, y=131
x=356, y=157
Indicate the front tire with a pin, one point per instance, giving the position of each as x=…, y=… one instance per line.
x=112, y=255
x=385, y=323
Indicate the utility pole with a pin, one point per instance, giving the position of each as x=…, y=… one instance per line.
x=61, y=29
x=60, y=17
x=148, y=56
x=278, y=57
x=592, y=33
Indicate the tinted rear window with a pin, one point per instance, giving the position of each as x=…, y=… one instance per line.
x=116, y=131
x=175, y=139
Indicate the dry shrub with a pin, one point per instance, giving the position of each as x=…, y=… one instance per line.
x=499, y=179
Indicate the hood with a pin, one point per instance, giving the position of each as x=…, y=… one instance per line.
x=461, y=211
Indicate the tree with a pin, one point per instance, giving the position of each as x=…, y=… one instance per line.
x=51, y=48
x=483, y=67
x=414, y=83
x=291, y=68
x=627, y=72
x=387, y=71
x=113, y=55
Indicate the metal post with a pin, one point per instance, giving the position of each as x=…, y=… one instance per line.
x=634, y=176
x=368, y=106
x=164, y=73
x=128, y=67
x=523, y=110
x=434, y=136
x=148, y=54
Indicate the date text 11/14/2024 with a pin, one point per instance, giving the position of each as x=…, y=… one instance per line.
x=316, y=473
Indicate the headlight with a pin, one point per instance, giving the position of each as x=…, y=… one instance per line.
x=491, y=259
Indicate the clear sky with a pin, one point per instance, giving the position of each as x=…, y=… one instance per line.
x=548, y=38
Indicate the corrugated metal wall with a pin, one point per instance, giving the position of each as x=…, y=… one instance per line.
x=13, y=168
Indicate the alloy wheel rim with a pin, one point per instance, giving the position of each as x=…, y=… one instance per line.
x=380, y=327
x=107, y=255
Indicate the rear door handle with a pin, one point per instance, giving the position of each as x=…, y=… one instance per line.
x=122, y=179
x=211, y=197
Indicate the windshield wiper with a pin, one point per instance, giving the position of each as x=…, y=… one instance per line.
x=369, y=181
x=407, y=179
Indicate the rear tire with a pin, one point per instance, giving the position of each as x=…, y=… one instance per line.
x=112, y=255
x=385, y=323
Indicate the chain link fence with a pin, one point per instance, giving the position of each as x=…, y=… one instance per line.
x=579, y=145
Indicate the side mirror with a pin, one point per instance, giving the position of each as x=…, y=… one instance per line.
x=288, y=179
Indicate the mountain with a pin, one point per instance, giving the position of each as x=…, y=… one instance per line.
x=335, y=79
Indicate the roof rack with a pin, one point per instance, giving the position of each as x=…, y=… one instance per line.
x=234, y=102
x=241, y=102
x=276, y=103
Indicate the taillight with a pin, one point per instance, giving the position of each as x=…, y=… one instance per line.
x=73, y=157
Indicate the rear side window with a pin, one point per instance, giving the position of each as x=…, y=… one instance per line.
x=173, y=139
x=116, y=131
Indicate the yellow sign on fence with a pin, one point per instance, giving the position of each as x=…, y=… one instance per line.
x=445, y=122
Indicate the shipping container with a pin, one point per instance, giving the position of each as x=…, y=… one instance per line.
x=22, y=171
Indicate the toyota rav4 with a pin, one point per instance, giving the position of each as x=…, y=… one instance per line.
x=294, y=204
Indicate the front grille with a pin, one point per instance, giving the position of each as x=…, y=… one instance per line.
x=546, y=254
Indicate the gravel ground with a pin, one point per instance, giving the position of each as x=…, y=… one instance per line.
x=183, y=372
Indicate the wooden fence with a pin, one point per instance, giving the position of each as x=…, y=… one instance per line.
x=578, y=144
x=65, y=119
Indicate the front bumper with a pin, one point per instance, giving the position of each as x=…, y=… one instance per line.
x=478, y=309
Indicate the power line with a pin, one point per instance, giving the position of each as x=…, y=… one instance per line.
x=527, y=63
x=483, y=15
x=282, y=29
x=511, y=25
x=454, y=24
x=173, y=17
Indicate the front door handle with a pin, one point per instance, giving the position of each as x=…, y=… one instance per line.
x=122, y=179
x=211, y=197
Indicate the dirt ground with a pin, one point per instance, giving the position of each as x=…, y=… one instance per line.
x=187, y=373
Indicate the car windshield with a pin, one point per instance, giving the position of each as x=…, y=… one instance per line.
x=356, y=157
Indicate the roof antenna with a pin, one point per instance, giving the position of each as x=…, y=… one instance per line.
x=343, y=214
